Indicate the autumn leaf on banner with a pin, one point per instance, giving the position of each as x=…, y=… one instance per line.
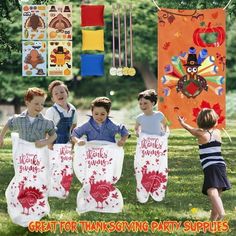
x=216, y=107
x=166, y=45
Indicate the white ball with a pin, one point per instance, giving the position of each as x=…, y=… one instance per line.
x=113, y=71
x=119, y=71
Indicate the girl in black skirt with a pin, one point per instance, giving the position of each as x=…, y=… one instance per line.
x=213, y=164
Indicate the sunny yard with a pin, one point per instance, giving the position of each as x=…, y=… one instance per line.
x=184, y=200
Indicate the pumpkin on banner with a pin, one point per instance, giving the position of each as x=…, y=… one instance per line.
x=199, y=40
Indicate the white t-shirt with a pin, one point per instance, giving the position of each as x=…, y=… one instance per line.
x=53, y=115
x=31, y=119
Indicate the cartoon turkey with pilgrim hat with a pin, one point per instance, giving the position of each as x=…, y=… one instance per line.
x=191, y=84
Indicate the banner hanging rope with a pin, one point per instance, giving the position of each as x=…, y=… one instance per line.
x=154, y=1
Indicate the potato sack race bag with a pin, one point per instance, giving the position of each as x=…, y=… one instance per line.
x=27, y=193
x=60, y=170
x=151, y=167
x=98, y=166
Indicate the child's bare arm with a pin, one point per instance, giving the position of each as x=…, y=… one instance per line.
x=194, y=131
x=137, y=129
x=73, y=126
x=164, y=124
x=122, y=141
x=3, y=133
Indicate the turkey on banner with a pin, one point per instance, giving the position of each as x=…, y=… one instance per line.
x=60, y=170
x=98, y=166
x=27, y=193
x=151, y=169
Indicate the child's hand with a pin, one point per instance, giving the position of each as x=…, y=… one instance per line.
x=81, y=143
x=41, y=143
x=181, y=119
x=121, y=143
x=50, y=146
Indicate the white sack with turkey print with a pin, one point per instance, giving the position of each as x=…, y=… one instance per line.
x=98, y=166
x=27, y=193
x=151, y=167
x=60, y=170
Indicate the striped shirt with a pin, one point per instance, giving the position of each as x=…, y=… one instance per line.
x=210, y=154
x=34, y=131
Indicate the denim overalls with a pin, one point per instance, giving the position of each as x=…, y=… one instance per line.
x=63, y=127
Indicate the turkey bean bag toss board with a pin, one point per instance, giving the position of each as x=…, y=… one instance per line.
x=151, y=167
x=27, y=193
x=98, y=166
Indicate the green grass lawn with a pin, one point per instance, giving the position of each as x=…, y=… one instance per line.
x=184, y=200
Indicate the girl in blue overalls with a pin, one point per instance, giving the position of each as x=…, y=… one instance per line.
x=64, y=115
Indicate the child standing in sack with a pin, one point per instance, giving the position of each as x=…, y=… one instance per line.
x=99, y=166
x=64, y=115
x=213, y=164
x=27, y=193
x=151, y=161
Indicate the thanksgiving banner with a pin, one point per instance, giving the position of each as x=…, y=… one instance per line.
x=191, y=64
